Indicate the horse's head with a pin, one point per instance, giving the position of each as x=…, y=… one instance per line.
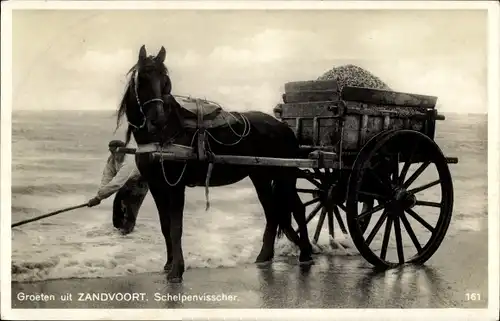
x=147, y=102
x=149, y=83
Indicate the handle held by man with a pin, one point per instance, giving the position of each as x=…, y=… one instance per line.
x=49, y=214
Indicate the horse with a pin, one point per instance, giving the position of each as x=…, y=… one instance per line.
x=154, y=116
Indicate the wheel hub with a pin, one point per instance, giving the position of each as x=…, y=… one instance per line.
x=403, y=199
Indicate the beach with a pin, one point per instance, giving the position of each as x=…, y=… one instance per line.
x=57, y=162
x=458, y=268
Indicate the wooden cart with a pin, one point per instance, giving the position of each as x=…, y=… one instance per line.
x=363, y=142
x=358, y=147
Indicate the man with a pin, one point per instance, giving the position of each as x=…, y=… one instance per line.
x=121, y=175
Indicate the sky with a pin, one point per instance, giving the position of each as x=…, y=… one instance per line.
x=78, y=59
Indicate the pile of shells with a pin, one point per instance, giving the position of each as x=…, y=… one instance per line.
x=354, y=76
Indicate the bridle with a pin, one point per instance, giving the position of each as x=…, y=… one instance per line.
x=135, y=77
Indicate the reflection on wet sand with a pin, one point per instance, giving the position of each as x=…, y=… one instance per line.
x=333, y=282
x=327, y=287
x=277, y=279
x=405, y=287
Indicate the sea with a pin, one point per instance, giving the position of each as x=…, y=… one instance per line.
x=57, y=162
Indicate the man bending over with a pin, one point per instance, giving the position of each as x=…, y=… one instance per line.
x=122, y=176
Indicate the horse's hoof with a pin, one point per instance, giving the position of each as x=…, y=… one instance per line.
x=306, y=263
x=263, y=263
x=316, y=249
x=264, y=257
x=174, y=279
x=126, y=231
x=306, y=259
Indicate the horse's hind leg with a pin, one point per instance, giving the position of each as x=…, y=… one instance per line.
x=161, y=201
x=264, y=191
x=299, y=214
x=286, y=193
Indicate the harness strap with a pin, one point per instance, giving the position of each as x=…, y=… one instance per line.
x=207, y=184
x=155, y=147
x=202, y=152
x=201, y=131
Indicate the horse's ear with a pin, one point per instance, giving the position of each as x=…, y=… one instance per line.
x=142, y=53
x=160, y=58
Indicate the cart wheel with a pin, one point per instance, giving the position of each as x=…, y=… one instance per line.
x=329, y=196
x=327, y=200
x=405, y=198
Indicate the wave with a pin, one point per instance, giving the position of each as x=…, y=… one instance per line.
x=19, y=209
x=51, y=189
x=108, y=254
x=109, y=258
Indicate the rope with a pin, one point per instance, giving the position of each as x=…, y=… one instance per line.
x=246, y=130
x=246, y=122
x=240, y=137
x=183, y=169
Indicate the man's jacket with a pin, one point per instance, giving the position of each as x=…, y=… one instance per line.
x=120, y=174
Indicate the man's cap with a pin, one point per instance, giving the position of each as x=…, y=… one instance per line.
x=116, y=143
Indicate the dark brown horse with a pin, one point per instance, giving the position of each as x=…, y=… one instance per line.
x=155, y=116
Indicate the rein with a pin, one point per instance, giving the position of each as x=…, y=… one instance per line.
x=136, y=93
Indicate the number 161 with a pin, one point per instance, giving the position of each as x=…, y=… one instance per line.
x=472, y=296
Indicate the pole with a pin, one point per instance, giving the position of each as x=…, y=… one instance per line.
x=49, y=214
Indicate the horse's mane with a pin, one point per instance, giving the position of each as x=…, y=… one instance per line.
x=122, y=107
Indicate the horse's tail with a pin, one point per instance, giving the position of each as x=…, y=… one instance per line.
x=284, y=222
x=282, y=189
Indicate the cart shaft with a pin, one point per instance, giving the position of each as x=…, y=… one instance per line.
x=321, y=162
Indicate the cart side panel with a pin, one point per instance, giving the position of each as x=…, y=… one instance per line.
x=326, y=132
x=360, y=123
x=356, y=114
x=387, y=97
x=311, y=85
x=364, y=121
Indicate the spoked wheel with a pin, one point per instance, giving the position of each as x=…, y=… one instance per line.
x=405, y=195
x=329, y=194
x=327, y=199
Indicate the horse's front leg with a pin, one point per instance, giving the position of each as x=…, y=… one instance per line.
x=159, y=191
x=176, y=212
x=161, y=200
x=165, y=230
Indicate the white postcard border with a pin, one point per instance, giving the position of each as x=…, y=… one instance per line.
x=286, y=314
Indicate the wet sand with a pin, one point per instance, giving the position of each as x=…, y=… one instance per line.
x=459, y=267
